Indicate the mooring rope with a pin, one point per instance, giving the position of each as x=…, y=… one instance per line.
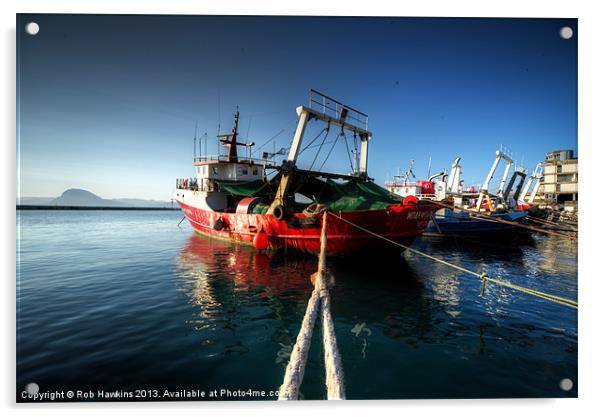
x=293, y=377
x=483, y=277
x=335, y=385
x=556, y=226
x=289, y=390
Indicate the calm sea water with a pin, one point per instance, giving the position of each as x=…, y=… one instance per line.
x=125, y=301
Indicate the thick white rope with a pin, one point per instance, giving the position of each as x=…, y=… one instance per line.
x=295, y=369
x=289, y=390
x=335, y=385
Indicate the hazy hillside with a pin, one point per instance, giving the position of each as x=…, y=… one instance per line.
x=35, y=201
x=82, y=198
x=77, y=197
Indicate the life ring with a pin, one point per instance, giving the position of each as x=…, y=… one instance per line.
x=219, y=224
x=279, y=212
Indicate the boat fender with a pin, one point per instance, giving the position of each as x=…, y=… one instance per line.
x=279, y=212
x=410, y=200
x=260, y=241
x=219, y=224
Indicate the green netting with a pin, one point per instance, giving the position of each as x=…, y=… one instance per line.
x=245, y=189
x=356, y=195
x=347, y=196
x=260, y=208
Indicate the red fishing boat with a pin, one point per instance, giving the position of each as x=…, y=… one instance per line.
x=233, y=198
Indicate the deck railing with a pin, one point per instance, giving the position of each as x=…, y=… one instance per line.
x=187, y=184
x=333, y=108
x=241, y=160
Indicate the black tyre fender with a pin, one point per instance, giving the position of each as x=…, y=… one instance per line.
x=219, y=224
x=279, y=212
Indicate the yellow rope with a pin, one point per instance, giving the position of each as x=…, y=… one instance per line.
x=484, y=278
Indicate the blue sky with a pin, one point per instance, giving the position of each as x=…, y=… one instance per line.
x=109, y=103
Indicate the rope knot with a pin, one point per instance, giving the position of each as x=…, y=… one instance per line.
x=315, y=209
x=484, y=278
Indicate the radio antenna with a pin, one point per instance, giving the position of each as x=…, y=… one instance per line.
x=196, y=126
x=249, y=128
x=219, y=110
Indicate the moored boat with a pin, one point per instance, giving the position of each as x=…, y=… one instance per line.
x=468, y=212
x=234, y=198
x=454, y=223
x=483, y=214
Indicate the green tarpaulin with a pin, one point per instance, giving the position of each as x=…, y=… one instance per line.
x=347, y=196
x=356, y=195
x=244, y=189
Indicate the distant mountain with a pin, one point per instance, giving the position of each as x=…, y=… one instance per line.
x=77, y=197
x=82, y=198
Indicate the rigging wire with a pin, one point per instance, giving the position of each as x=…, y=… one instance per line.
x=355, y=151
x=268, y=141
x=314, y=139
x=320, y=148
x=329, y=152
x=348, y=151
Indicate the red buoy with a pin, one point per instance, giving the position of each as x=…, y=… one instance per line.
x=260, y=241
x=410, y=200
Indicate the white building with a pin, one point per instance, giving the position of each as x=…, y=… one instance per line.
x=561, y=178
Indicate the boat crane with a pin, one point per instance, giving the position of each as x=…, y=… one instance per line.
x=437, y=175
x=337, y=116
x=453, y=184
x=536, y=175
x=512, y=201
x=409, y=173
x=484, y=193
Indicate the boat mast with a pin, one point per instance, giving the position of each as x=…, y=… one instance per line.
x=229, y=139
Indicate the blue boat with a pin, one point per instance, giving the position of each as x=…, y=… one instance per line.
x=461, y=223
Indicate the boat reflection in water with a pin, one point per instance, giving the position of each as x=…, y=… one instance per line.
x=408, y=317
x=211, y=272
x=225, y=280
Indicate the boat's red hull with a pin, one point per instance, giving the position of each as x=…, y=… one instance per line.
x=400, y=223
